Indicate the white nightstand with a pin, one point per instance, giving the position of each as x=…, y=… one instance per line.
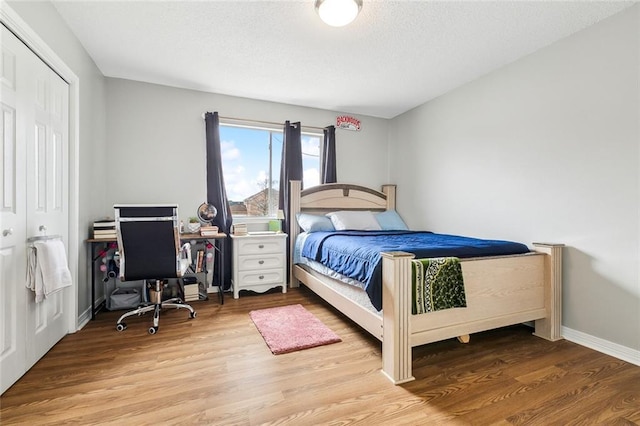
x=259, y=262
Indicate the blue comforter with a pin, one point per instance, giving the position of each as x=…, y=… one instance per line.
x=356, y=254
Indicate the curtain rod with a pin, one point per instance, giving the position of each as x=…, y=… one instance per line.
x=263, y=122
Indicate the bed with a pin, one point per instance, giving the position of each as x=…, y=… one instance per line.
x=500, y=290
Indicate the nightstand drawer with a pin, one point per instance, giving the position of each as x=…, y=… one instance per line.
x=260, y=262
x=260, y=245
x=248, y=279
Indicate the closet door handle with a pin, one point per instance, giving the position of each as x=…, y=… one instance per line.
x=261, y=246
x=7, y=232
x=260, y=262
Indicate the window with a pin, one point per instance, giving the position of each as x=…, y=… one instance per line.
x=251, y=167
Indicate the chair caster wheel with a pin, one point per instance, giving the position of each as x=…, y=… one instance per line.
x=122, y=326
x=153, y=330
x=193, y=314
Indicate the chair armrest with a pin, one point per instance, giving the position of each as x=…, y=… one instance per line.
x=186, y=251
x=185, y=258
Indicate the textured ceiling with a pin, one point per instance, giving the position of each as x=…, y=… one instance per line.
x=396, y=55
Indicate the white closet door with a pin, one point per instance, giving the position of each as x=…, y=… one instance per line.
x=40, y=180
x=13, y=217
x=47, y=197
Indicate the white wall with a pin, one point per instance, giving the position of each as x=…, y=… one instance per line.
x=544, y=149
x=43, y=18
x=156, y=140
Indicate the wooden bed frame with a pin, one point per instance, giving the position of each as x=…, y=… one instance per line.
x=500, y=291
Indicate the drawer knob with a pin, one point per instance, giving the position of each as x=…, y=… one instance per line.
x=261, y=277
x=261, y=246
x=260, y=262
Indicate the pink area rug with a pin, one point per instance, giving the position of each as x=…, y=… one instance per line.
x=291, y=328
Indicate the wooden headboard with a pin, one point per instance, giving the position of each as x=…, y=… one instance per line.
x=330, y=197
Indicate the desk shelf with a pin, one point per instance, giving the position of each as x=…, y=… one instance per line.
x=97, y=246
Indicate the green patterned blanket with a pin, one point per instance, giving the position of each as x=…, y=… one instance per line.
x=437, y=284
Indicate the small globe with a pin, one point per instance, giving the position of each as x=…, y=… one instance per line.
x=207, y=212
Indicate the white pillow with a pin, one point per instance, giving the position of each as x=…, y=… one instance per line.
x=314, y=223
x=354, y=220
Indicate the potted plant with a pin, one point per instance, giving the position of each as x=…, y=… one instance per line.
x=194, y=224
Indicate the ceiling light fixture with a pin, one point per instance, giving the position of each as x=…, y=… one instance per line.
x=338, y=13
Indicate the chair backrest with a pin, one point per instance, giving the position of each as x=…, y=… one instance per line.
x=148, y=241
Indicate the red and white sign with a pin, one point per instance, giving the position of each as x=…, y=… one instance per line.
x=347, y=122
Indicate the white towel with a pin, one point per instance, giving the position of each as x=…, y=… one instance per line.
x=47, y=270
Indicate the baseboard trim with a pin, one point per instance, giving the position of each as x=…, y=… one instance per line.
x=606, y=347
x=84, y=318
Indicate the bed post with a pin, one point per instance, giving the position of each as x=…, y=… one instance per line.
x=550, y=328
x=390, y=192
x=396, y=316
x=294, y=229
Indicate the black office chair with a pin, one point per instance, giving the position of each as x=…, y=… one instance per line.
x=149, y=246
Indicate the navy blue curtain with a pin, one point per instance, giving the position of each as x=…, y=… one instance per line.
x=328, y=166
x=217, y=194
x=290, y=166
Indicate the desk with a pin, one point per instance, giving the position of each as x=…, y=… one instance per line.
x=219, y=242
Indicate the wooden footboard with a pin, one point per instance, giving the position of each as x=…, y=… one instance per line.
x=500, y=291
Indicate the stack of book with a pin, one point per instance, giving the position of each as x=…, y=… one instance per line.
x=191, y=292
x=208, y=231
x=104, y=229
x=240, y=229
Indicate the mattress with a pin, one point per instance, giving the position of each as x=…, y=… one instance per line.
x=348, y=287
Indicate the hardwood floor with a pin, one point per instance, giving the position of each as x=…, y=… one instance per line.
x=217, y=370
